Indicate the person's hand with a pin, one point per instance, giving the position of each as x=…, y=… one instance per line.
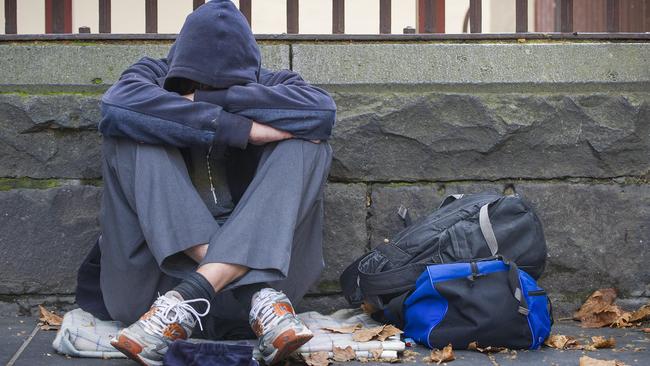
x=189, y=96
x=262, y=134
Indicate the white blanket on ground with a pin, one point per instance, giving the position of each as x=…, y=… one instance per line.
x=326, y=341
x=82, y=335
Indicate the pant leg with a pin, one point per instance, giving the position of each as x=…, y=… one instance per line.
x=150, y=214
x=276, y=228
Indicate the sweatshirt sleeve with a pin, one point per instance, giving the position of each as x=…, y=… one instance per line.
x=281, y=99
x=136, y=107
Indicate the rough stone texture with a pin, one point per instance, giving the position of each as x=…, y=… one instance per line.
x=92, y=64
x=597, y=234
x=400, y=136
x=44, y=235
x=472, y=63
x=345, y=236
x=49, y=136
x=387, y=136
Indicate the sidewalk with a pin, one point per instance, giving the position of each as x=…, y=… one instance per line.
x=632, y=348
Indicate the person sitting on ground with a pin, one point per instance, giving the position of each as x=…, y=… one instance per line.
x=214, y=170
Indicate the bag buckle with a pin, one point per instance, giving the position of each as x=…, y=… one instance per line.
x=475, y=273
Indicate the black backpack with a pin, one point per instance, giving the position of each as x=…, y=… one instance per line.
x=464, y=227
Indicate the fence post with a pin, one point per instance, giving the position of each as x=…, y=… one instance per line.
x=522, y=16
x=151, y=15
x=197, y=3
x=58, y=16
x=338, y=16
x=292, y=16
x=564, y=13
x=104, y=16
x=613, y=22
x=245, y=7
x=11, y=26
x=385, y=16
x=475, y=14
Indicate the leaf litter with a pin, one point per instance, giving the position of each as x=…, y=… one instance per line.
x=599, y=311
x=317, y=359
x=48, y=320
x=343, y=354
x=444, y=355
x=588, y=361
x=489, y=349
x=348, y=329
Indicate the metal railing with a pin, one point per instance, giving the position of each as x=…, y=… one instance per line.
x=58, y=14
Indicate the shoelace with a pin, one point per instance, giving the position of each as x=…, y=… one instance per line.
x=263, y=308
x=182, y=310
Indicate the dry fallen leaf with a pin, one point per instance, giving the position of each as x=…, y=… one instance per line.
x=640, y=315
x=317, y=359
x=345, y=330
x=599, y=309
x=388, y=332
x=627, y=319
x=560, y=341
x=343, y=354
x=366, y=334
x=602, y=342
x=444, y=355
x=489, y=349
x=409, y=356
x=375, y=354
x=48, y=320
x=588, y=361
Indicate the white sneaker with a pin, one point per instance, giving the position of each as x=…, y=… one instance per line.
x=170, y=318
x=279, y=330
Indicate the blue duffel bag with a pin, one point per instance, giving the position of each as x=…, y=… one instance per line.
x=489, y=301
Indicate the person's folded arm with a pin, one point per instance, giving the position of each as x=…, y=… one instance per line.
x=136, y=107
x=282, y=100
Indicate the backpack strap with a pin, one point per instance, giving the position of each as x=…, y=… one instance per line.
x=487, y=230
x=349, y=281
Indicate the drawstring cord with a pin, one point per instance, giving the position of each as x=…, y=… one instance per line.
x=207, y=160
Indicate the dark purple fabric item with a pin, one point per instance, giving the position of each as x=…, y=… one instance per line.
x=182, y=353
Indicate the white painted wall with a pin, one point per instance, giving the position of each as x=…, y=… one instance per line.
x=30, y=16
x=172, y=14
x=85, y=14
x=2, y=17
x=315, y=17
x=269, y=16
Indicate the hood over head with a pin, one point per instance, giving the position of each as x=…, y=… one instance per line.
x=215, y=47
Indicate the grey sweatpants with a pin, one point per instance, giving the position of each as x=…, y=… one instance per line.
x=151, y=213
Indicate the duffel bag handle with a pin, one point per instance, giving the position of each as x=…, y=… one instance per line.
x=515, y=285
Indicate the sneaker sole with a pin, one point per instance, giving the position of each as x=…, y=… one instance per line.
x=132, y=350
x=287, y=343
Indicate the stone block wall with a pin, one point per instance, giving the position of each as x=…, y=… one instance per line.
x=566, y=125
